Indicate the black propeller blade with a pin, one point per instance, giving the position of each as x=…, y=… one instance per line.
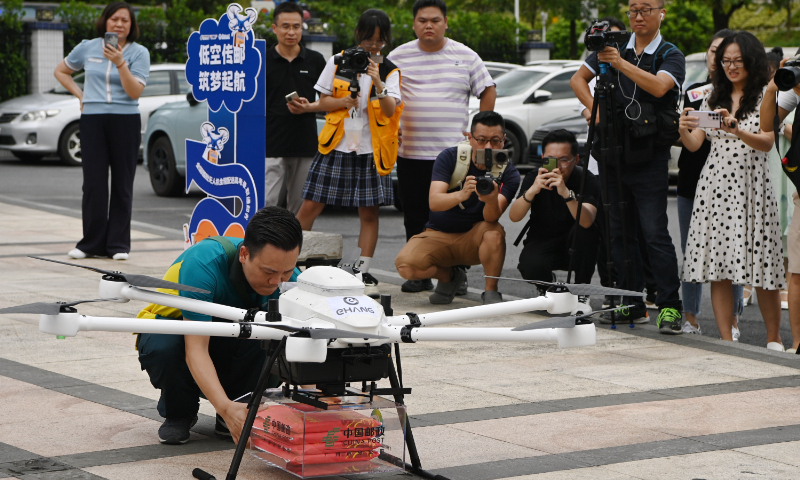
x=579, y=288
x=563, y=322
x=54, y=308
x=326, y=333
x=132, y=279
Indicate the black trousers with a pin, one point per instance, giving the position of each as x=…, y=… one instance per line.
x=607, y=278
x=414, y=185
x=540, y=256
x=238, y=363
x=108, y=140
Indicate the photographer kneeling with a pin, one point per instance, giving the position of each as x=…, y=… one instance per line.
x=463, y=226
x=549, y=195
x=648, y=73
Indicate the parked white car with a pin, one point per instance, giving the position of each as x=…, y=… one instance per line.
x=528, y=97
x=40, y=124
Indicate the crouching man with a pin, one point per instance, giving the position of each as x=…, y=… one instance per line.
x=549, y=196
x=238, y=273
x=463, y=226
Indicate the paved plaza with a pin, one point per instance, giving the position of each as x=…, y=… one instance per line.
x=638, y=405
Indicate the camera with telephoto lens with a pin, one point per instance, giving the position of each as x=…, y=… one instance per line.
x=354, y=60
x=599, y=36
x=787, y=77
x=496, y=162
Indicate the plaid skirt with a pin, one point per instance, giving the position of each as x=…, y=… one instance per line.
x=347, y=180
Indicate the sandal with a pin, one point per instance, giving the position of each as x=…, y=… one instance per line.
x=784, y=300
x=748, y=294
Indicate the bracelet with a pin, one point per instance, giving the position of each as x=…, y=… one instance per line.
x=525, y=198
x=122, y=64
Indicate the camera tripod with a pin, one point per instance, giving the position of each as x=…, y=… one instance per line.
x=610, y=153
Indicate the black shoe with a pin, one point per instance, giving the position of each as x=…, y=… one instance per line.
x=625, y=316
x=446, y=291
x=370, y=285
x=462, y=289
x=220, y=428
x=414, y=286
x=176, y=431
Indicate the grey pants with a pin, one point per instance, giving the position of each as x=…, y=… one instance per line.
x=284, y=180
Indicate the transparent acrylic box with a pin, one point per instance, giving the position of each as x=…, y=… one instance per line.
x=352, y=436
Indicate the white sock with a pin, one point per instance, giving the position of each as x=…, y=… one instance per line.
x=363, y=264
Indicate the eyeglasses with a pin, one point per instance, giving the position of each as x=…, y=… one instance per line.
x=645, y=12
x=497, y=142
x=738, y=63
x=369, y=44
x=561, y=161
x=287, y=27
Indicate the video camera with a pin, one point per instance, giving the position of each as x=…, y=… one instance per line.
x=599, y=36
x=496, y=162
x=787, y=77
x=353, y=60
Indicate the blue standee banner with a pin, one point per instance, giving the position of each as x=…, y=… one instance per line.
x=226, y=70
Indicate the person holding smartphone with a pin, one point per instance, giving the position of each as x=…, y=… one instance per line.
x=116, y=73
x=550, y=197
x=734, y=234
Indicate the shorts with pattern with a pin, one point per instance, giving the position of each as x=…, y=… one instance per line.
x=347, y=180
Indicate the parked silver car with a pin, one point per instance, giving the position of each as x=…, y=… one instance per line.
x=40, y=124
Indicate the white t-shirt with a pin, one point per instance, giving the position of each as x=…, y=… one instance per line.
x=325, y=86
x=787, y=100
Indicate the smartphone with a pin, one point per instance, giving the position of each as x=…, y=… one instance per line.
x=292, y=96
x=707, y=119
x=549, y=163
x=111, y=38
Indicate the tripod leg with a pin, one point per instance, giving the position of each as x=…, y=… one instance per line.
x=255, y=401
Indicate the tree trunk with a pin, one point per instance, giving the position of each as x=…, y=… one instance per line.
x=573, y=41
x=720, y=16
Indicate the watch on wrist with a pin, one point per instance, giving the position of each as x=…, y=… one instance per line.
x=383, y=93
x=571, y=197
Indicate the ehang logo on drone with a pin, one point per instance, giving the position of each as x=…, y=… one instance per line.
x=344, y=306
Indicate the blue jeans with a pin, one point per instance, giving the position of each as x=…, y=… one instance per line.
x=692, y=293
x=644, y=189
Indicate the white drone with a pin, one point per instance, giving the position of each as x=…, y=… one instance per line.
x=325, y=330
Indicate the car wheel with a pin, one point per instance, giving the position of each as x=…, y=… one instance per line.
x=69, y=146
x=27, y=157
x=514, y=146
x=397, y=203
x=164, y=177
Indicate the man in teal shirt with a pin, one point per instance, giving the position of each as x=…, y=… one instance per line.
x=243, y=273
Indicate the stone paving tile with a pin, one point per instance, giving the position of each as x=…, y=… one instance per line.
x=786, y=452
x=591, y=473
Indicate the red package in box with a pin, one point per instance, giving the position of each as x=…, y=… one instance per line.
x=299, y=458
x=269, y=443
x=289, y=421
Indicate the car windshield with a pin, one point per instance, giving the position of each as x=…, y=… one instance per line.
x=517, y=81
x=696, y=71
x=63, y=91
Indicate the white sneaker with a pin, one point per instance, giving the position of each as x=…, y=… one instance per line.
x=689, y=328
x=120, y=256
x=583, y=305
x=370, y=285
x=775, y=346
x=735, y=334
x=76, y=254
x=791, y=350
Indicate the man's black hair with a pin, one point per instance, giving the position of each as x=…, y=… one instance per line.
x=561, y=136
x=429, y=3
x=488, y=118
x=369, y=21
x=275, y=226
x=286, y=7
x=614, y=22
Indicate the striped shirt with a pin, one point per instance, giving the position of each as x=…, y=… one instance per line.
x=436, y=87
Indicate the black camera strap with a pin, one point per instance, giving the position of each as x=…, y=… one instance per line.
x=791, y=160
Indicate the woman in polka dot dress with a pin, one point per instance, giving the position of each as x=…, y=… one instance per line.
x=734, y=236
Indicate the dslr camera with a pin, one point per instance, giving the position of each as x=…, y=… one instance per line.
x=496, y=162
x=599, y=36
x=789, y=75
x=353, y=60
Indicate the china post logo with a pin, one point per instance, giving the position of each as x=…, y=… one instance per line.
x=223, y=61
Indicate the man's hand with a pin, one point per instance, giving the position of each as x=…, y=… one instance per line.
x=234, y=414
x=611, y=56
x=539, y=184
x=490, y=198
x=399, y=136
x=556, y=182
x=298, y=105
x=349, y=102
x=772, y=89
x=469, y=187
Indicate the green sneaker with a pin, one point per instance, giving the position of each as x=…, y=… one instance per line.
x=669, y=321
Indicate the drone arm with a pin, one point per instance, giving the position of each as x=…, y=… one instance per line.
x=480, y=311
x=580, y=336
x=191, y=304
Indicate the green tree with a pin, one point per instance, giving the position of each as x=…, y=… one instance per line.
x=81, y=18
x=689, y=25
x=722, y=10
x=13, y=75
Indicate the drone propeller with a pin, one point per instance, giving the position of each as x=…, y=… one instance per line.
x=132, y=279
x=326, y=333
x=579, y=288
x=54, y=308
x=563, y=322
